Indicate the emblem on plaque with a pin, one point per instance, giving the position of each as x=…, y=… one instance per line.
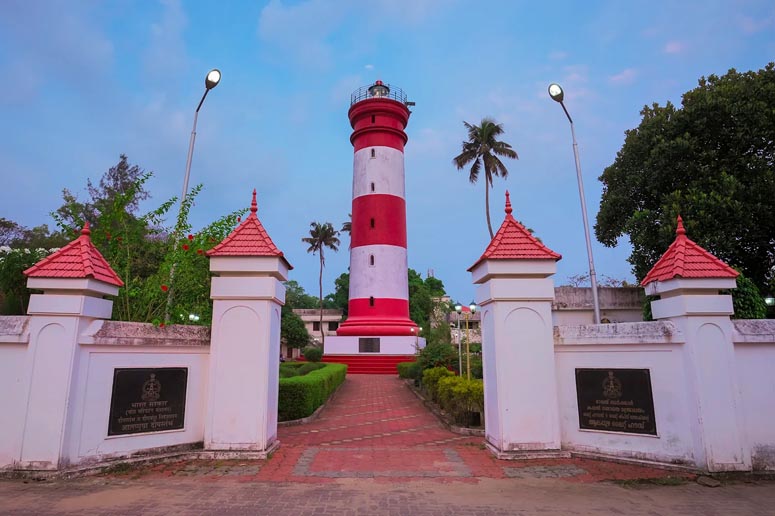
x=612, y=387
x=151, y=389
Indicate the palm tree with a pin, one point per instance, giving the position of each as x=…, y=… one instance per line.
x=321, y=236
x=347, y=227
x=482, y=146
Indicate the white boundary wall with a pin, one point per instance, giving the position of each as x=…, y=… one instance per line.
x=656, y=346
x=102, y=347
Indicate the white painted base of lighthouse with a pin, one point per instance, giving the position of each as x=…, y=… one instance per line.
x=390, y=345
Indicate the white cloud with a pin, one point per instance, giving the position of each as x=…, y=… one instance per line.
x=369, y=67
x=300, y=30
x=751, y=25
x=166, y=52
x=626, y=76
x=674, y=47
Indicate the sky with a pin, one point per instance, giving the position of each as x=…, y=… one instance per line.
x=85, y=81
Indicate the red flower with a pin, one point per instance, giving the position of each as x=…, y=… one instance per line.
x=108, y=236
x=199, y=251
x=190, y=237
x=164, y=288
x=119, y=239
x=185, y=247
x=161, y=325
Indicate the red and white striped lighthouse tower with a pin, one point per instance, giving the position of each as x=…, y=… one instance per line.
x=379, y=292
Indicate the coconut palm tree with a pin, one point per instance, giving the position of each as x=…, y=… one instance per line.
x=321, y=236
x=483, y=147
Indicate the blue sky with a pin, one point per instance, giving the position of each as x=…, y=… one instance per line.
x=88, y=80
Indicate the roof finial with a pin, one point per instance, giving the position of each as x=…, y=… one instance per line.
x=680, y=229
x=253, y=203
x=508, y=203
x=86, y=231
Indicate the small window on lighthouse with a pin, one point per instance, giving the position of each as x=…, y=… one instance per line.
x=373, y=119
x=371, y=301
x=373, y=153
x=371, y=260
x=372, y=223
x=372, y=187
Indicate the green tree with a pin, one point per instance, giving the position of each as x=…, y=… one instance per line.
x=321, y=236
x=297, y=297
x=483, y=148
x=292, y=329
x=712, y=161
x=341, y=296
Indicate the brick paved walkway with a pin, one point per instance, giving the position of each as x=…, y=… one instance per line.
x=375, y=449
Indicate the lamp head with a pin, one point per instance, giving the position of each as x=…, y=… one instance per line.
x=379, y=89
x=458, y=308
x=213, y=78
x=769, y=301
x=555, y=91
x=473, y=308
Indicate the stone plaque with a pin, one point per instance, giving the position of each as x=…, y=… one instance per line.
x=368, y=345
x=147, y=400
x=616, y=400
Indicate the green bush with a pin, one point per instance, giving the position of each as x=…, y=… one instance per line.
x=309, y=367
x=312, y=354
x=409, y=370
x=437, y=355
x=460, y=397
x=747, y=301
x=430, y=380
x=300, y=396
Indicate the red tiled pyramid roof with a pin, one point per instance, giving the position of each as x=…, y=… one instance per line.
x=248, y=239
x=685, y=259
x=78, y=259
x=514, y=242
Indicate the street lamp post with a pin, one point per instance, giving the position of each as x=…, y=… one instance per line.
x=459, y=309
x=555, y=91
x=212, y=79
x=472, y=311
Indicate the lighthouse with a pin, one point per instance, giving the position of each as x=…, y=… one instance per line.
x=378, y=311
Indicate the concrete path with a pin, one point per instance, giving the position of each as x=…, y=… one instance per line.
x=375, y=449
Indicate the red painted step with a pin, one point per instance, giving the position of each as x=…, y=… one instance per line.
x=370, y=364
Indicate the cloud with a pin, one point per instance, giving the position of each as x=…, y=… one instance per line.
x=59, y=42
x=300, y=31
x=751, y=25
x=165, y=56
x=674, y=47
x=626, y=76
x=369, y=67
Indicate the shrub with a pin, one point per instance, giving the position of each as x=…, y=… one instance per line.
x=437, y=355
x=747, y=301
x=460, y=397
x=312, y=354
x=430, y=380
x=409, y=370
x=309, y=367
x=300, y=396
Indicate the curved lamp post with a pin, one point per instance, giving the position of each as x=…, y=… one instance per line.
x=555, y=91
x=212, y=79
x=472, y=311
x=459, y=309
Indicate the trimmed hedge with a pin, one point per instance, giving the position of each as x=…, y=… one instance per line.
x=409, y=370
x=300, y=396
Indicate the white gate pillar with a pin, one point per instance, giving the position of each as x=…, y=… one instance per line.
x=247, y=298
x=73, y=280
x=516, y=292
x=688, y=279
